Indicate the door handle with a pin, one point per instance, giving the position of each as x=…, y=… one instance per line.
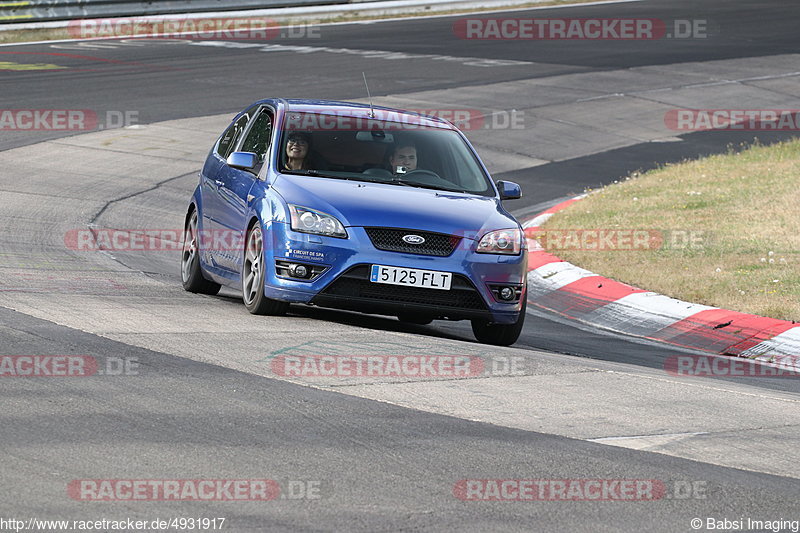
x=219, y=183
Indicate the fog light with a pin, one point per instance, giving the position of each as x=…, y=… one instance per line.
x=298, y=271
x=506, y=293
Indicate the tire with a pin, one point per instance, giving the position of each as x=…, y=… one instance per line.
x=499, y=334
x=421, y=320
x=253, y=270
x=191, y=275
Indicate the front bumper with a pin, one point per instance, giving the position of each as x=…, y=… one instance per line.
x=344, y=282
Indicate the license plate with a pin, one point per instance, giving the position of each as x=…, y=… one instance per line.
x=411, y=277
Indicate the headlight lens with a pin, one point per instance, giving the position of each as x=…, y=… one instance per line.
x=504, y=241
x=307, y=220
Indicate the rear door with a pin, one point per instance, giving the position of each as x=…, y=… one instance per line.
x=234, y=189
x=213, y=177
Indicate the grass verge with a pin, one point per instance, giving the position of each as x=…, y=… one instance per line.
x=722, y=231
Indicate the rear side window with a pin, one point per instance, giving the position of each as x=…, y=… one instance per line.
x=232, y=135
x=258, y=138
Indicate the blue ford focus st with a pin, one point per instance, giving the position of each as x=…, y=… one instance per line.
x=347, y=206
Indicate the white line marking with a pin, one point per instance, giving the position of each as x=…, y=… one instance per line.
x=662, y=435
x=369, y=54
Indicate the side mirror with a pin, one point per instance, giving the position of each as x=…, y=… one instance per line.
x=509, y=190
x=243, y=160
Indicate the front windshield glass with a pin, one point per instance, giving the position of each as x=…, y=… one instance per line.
x=375, y=150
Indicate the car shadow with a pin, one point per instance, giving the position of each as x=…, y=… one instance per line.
x=363, y=320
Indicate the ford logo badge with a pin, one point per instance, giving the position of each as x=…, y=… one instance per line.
x=414, y=239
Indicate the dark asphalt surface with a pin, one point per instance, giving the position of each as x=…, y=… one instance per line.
x=377, y=467
x=185, y=81
x=381, y=467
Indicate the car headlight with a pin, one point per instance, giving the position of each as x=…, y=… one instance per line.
x=503, y=241
x=307, y=220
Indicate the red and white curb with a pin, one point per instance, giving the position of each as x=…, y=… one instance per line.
x=576, y=293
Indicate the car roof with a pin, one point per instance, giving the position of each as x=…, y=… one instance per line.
x=356, y=110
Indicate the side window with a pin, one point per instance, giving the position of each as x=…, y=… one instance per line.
x=257, y=140
x=232, y=135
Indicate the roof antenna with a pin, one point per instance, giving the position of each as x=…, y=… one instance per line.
x=371, y=110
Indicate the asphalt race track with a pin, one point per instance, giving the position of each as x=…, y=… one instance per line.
x=186, y=388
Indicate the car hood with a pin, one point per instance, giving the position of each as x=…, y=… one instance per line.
x=357, y=203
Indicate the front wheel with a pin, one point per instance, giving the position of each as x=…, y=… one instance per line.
x=191, y=275
x=253, y=272
x=499, y=334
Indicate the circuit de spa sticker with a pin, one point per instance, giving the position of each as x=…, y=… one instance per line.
x=309, y=255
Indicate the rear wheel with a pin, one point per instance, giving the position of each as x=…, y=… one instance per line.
x=191, y=275
x=499, y=334
x=253, y=272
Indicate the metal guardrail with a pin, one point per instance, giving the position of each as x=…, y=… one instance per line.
x=13, y=11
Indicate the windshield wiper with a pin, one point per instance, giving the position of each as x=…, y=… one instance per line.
x=424, y=186
x=314, y=173
x=319, y=174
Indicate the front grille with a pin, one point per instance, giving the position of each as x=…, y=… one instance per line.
x=355, y=283
x=391, y=240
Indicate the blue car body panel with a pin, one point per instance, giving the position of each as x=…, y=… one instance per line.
x=228, y=201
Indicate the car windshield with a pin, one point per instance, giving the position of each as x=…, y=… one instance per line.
x=391, y=152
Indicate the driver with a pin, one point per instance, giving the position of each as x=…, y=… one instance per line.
x=403, y=158
x=297, y=148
